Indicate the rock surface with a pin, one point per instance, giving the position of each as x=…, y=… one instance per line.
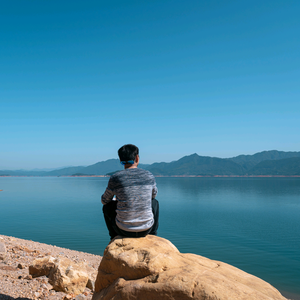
x=64, y=275
x=152, y=268
x=68, y=277
x=42, y=266
x=2, y=251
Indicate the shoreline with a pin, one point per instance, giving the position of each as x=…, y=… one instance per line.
x=16, y=284
x=167, y=176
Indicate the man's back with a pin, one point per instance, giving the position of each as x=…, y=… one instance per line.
x=134, y=189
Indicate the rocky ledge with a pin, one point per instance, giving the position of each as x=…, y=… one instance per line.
x=21, y=278
x=152, y=268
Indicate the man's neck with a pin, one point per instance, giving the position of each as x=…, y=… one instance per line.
x=134, y=166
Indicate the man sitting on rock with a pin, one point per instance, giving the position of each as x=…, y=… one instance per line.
x=134, y=212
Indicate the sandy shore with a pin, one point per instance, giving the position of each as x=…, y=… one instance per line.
x=17, y=284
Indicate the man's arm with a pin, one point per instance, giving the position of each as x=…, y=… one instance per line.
x=154, y=191
x=108, y=194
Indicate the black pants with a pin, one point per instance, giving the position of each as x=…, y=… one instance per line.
x=109, y=211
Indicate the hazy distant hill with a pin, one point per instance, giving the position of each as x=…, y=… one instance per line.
x=35, y=172
x=197, y=165
x=249, y=161
x=263, y=163
x=103, y=167
x=287, y=166
x=22, y=173
x=65, y=171
x=100, y=168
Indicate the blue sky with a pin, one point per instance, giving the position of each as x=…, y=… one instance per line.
x=78, y=79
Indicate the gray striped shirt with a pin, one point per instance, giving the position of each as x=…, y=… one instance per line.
x=134, y=189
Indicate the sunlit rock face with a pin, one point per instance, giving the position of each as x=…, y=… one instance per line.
x=64, y=275
x=152, y=268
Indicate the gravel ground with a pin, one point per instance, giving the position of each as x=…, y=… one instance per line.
x=17, y=284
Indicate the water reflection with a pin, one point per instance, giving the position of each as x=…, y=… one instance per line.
x=199, y=188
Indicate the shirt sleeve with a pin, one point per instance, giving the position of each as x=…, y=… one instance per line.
x=108, y=194
x=154, y=191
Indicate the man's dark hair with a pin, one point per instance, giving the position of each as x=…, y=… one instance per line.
x=128, y=152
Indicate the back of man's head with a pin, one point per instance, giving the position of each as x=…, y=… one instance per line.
x=128, y=152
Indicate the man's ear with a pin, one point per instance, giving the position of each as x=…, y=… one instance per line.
x=137, y=159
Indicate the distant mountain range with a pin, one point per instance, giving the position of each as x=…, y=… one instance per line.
x=263, y=163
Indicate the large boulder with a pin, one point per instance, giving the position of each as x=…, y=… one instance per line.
x=152, y=268
x=64, y=275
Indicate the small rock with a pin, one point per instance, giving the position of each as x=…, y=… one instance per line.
x=28, y=277
x=42, y=266
x=68, y=297
x=8, y=268
x=90, y=285
x=46, y=286
x=2, y=251
x=20, y=266
x=37, y=294
x=68, y=277
x=14, y=250
x=80, y=297
x=26, y=249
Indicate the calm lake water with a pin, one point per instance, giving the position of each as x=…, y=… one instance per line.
x=251, y=223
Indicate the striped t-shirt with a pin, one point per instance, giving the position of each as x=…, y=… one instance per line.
x=134, y=189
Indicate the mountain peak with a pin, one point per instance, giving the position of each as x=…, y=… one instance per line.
x=275, y=163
